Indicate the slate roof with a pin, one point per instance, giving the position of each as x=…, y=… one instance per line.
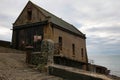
x=58, y=21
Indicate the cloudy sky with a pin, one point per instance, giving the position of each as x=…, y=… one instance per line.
x=98, y=19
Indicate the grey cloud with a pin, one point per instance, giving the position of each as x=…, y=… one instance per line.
x=98, y=11
x=5, y=37
x=111, y=29
x=102, y=45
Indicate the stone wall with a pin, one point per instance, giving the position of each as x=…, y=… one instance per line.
x=43, y=57
x=67, y=41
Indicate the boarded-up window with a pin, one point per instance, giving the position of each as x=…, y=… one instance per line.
x=82, y=53
x=60, y=42
x=73, y=49
x=29, y=14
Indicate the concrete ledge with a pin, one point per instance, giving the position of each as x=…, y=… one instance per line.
x=69, y=75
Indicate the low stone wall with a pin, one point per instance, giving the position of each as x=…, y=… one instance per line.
x=36, y=59
x=4, y=43
x=69, y=75
x=9, y=50
x=44, y=56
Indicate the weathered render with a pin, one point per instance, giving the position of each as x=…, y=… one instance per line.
x=35, y=24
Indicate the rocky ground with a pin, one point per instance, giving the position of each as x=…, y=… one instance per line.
x=13, y=67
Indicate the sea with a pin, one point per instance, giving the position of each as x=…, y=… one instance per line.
x=111, y=61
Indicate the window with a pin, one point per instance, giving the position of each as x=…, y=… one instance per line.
x=29, y=14
x=82, y=54
x=73, y=49
x=60, y=43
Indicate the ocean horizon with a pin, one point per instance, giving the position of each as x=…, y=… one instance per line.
x=111, y=61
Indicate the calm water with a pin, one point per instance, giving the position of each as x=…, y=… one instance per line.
x=112, y=62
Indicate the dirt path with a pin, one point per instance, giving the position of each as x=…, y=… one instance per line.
x=13, y=67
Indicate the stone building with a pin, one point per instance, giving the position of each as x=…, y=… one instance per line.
x=35, y=24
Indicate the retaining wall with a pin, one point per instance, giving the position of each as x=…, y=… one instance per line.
x=69, y=75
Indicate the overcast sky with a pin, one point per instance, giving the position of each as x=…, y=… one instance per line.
x=98, y=19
